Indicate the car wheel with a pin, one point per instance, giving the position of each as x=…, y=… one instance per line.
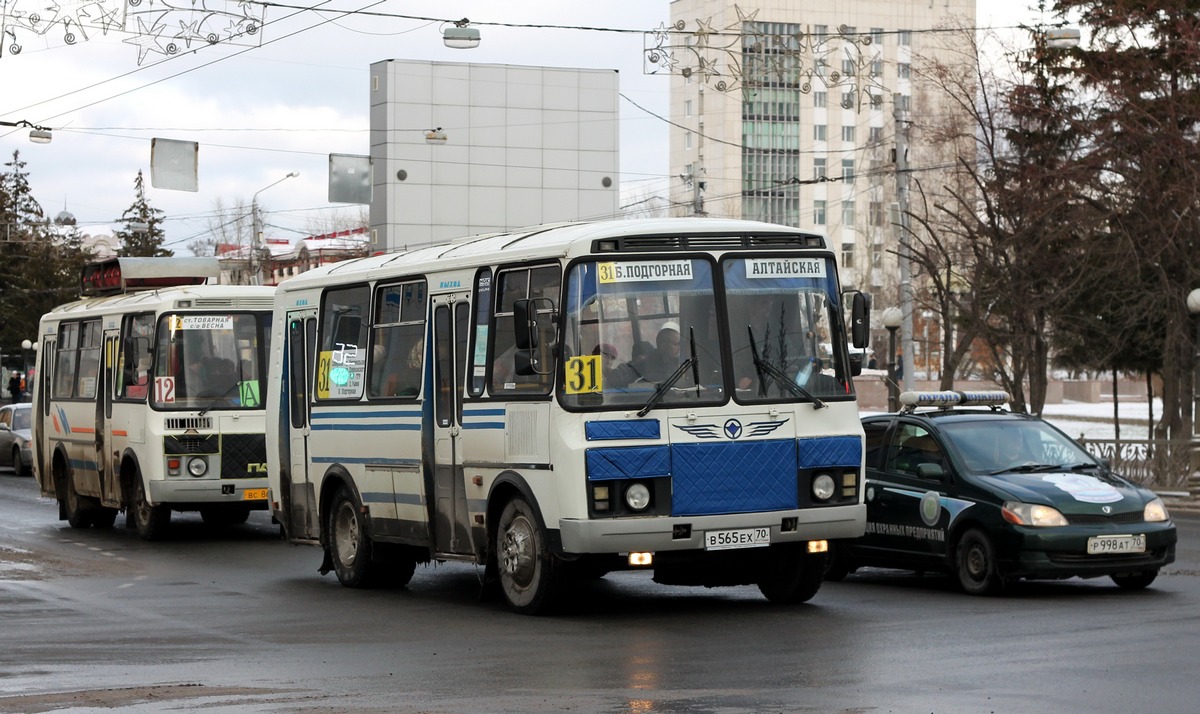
x=1135, y=581
x=349, y=544
x=151, y=521
x=794, y=576
x=976, y=564
x=20, y=468
x=529, y=573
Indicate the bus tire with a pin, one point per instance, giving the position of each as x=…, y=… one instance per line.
x=151, y=522
x=78, y=513
x=349, y=545
x=529, y=573
x=794, y=576
x=225, y=515
x=104, y=517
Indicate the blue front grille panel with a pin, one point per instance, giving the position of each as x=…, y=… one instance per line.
x=628, y=462
x=828, y=451
x=703, y=480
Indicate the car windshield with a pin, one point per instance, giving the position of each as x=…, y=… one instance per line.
x=207, y=361
x=20, y=419
x=638, y=327
x=991, y=446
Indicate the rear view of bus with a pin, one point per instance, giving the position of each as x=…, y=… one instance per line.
x=150, y=395
x=558, y=403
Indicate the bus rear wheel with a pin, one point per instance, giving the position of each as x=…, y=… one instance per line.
x=79, y=515
x=151, y=521
x=529, y=573
x=794, y=576
x=349, y=545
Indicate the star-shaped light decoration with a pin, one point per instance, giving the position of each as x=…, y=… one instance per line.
x=146, y=39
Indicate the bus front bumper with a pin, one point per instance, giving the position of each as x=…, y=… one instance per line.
x=663, y=533
x=174, y=492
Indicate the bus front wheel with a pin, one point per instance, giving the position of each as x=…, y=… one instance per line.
x=151, y=521
x=349, y=545
x=529, y=572
x=794, y=576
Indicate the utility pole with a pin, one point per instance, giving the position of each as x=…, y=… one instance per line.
x=902, y=223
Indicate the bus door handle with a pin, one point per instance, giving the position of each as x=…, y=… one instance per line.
x=454, y=430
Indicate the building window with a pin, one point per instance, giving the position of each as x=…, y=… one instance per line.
x=904, y=38
x=819, y=99
x=876, y=213
x=820, y=31
x=818, y=132
x=877, y=256
x=687, y=140
x=847, y=255
x=848, y=133
x=848, y=67
x=847, y=169
x=875, y=135
x=687, y=108
x=903, y=102
x=876, y=68
x=903, y=70
x=877, y=35
x=819, y=170
x=818, y=213
x=848, y=212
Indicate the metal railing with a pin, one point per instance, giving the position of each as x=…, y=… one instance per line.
x=1154, y=463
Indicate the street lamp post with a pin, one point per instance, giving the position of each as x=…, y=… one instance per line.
x=37, y=134
x=256, y=248
x=892, y=317
x=1193, y=305
x=26, y=346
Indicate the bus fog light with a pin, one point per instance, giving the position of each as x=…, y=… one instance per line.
x=818, y=546
x=637, y=496
x=822, y=487
x=197, y=466
x=641, y=559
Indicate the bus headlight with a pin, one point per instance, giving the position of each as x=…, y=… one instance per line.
x=197, y=466
x=637, y=497
x=822, y=487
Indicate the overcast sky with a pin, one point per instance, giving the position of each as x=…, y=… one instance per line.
x=285, y=105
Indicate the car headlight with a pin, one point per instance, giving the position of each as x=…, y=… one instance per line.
x=1155, y=512
x=1032, y=514
x=822, y=487
x=637, y=496
x=197, y=466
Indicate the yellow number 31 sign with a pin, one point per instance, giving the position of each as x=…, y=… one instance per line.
x=583, y=375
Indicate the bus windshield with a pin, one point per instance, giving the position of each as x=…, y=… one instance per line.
x=208, y=361
x=637, y=327
x=782, y=314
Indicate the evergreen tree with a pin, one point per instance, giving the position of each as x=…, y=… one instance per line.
x=142, y=235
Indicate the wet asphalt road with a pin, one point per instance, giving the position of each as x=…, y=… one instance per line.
x=235, y=620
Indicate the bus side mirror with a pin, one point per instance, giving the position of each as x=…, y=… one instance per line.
x=525, y=324
x=860, y=320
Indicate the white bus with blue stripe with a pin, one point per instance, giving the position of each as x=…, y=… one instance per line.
x=149, y=396
x=564, y=401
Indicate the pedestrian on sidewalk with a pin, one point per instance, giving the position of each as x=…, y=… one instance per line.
x=14, y=386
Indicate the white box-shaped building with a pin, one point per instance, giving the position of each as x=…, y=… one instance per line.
x=513, y=146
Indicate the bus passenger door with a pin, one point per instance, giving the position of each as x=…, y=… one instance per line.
x=110, y=489
x=298, y=499
x=452, y=533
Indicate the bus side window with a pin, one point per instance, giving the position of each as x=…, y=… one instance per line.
x=341, y=362
x=397, y=340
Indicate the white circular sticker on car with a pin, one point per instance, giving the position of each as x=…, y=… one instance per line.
x=1082, y=487
x=931, y=508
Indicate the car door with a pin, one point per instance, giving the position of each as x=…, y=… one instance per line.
x=907, y=484
x=6, y=436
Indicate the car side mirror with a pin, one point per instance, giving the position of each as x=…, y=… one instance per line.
x=931, y=471
x=4, y=427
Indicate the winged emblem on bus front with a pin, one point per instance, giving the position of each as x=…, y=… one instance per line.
x=732, y=429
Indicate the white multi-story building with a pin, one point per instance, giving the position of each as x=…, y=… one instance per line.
x=784, y=112
x=460, y=149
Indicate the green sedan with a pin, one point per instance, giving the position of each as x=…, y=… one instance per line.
x=991, y=496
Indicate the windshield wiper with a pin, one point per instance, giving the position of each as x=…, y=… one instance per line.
x=766, y=368
x=218, y=400
x=1026, y=468
x=665, y=387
